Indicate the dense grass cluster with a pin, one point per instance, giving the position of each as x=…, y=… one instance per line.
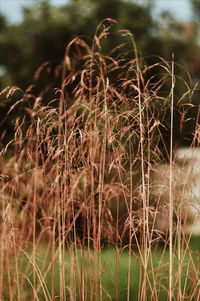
x=76, y=178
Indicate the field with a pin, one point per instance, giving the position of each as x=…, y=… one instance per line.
x=81, y=207
x=83, y=282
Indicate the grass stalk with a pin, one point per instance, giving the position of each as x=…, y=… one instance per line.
x=171, y=202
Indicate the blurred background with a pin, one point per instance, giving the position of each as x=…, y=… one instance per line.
x=35, y=31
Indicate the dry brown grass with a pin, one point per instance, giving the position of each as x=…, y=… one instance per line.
x=77, y=177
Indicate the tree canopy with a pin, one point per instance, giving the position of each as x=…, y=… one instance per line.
x=45, y=31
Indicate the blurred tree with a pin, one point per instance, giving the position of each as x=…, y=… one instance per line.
x=196, y=9
x=182, y=40
x=41, y=39
x=45, y=31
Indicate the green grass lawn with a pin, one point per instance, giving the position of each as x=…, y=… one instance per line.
x=87, y=272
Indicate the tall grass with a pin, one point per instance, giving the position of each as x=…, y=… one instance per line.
x=79, y=212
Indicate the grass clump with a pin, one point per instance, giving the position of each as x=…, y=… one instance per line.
x=76, y=178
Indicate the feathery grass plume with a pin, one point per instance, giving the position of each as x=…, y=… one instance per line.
x=83, y=195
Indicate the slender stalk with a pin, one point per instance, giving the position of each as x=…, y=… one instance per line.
x=130, y=223
x=171, y=202
x=2, y=247
x=35, y=203
x=60, y=196
x=143, y=189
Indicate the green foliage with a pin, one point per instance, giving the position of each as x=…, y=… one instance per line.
x=46, y=30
